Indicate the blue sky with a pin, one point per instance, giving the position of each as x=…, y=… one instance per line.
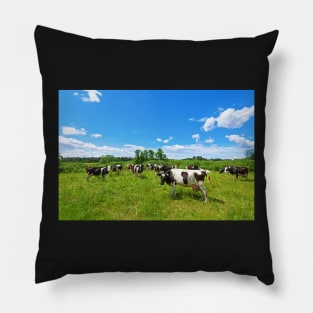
x=183, y=123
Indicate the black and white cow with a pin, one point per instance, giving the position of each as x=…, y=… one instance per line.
x=236, y=170
x=138, y=169
x=157, y=168
x=96, y=171
x=187, y=178
x=163, y=168
x=116, y=168
x=150, y=166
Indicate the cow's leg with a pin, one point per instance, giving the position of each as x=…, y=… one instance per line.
x=174, y=190
x=203, y=192
x=87, y=177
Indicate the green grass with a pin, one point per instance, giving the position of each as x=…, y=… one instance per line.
x=128, y=197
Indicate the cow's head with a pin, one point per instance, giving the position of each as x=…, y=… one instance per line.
x=223, y=170
x=165, y=178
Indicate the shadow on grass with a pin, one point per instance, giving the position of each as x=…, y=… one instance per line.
x=142, y=177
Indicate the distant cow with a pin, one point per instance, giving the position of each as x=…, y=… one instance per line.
x=150, y=166
x=138, y=169
x=236, y=170
x=129, y=167
x=187, y=178
x=116, y=168
x=96, y=171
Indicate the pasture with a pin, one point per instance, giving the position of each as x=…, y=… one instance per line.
x=126, y=197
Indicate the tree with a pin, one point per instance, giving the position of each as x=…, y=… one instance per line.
x=106, y=159
x=160, y=155
x=145, y=155
x=150, y=154
x=139, y=156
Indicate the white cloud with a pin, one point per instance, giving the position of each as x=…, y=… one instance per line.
x=209, y=124
x=75, y=143
x=196, y=137
x=209, y=152
x=96, y=135
x=202, y=119
x=229, y=118
x=134, y=147
x=164, y=140
x=232, y=118
x=70, y=147
x=89, y=95
x=241, y=141
x=68, y=130
x=209, y=140
x=174, y=148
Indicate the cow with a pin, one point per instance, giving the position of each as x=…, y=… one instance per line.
x=207, y=172
x=129, y=167
x=96, y=171
x=163, y=168
x=150, y=166
x=187, y=178
x=157, y=168
x=138, y=169
x=116, y=168
x=236, y=170
x=192, y=167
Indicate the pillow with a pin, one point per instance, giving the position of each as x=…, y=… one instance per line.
x=120, y=117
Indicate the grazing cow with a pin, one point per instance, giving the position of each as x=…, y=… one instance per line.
x=187, y=178
x=138, y=169
x=96, y=171
x=116, y=168
x=157, y=168
x=150, y=166
x=192, y=167
x=236, y=170
x=163, y=168
x=130, y=167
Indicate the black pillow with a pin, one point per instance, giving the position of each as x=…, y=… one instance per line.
x=78, y=67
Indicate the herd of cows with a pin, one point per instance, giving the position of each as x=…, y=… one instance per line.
x=191, y=176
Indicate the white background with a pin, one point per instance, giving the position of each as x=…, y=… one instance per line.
x=288, y=140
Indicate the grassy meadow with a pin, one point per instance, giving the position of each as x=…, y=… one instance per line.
x=128, y=197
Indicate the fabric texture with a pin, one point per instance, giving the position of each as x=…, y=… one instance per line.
x=72, y=62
